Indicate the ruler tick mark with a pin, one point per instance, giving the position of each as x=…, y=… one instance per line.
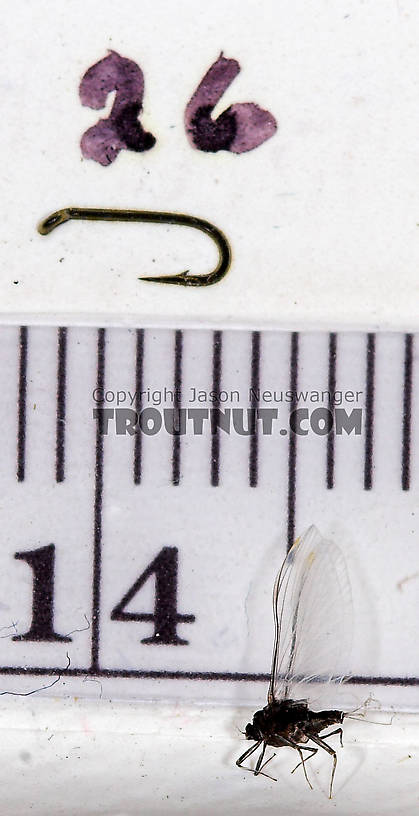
x=97, y=533
x=369, y=412
x=292, y=445
x=254, y=385
x=331, y=387
x=21, y=422
x=61, y=405
x=177, y=399
x=407, y=410
x=217, y=346
x=139, y=371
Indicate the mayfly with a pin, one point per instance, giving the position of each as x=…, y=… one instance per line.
x=312, y=617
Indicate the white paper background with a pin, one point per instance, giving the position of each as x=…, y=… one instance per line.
x=322, y=217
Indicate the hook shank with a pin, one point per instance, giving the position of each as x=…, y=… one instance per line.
x=182, y=278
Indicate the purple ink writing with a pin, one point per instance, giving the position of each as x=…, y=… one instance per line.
x=240, y=128
x=121, y=130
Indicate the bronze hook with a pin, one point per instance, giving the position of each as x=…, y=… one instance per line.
x=182, y=278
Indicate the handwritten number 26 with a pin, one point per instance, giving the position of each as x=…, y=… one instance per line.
x=240, y=128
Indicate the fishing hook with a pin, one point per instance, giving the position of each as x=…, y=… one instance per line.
x=182, y=278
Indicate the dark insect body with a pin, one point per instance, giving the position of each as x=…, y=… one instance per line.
x=290, y=723
x=312, y=631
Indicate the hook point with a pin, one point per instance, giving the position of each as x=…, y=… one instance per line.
x=181, y=279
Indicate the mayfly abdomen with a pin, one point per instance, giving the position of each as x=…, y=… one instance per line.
x=322, y=719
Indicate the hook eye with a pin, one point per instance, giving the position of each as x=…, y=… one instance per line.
x=147, y=216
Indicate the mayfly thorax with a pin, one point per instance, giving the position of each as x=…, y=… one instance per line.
x=312, y=616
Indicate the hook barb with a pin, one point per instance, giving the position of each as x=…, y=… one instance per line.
x=147, y=216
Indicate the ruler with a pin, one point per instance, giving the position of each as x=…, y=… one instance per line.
x=141, y=564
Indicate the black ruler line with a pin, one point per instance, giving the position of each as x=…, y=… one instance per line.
x=185, y=675
x=21, y=410
x=177, y=399
x=292, y=444
x=217, y=350
x=139, y=376
x=407, y=410
x=254, y=386
x=369, y=412
x=331, y=387
x=97, y=533
x=61, y=405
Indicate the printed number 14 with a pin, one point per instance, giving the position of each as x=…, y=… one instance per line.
x=165, y=616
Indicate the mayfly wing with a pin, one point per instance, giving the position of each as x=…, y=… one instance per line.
x=313, y=619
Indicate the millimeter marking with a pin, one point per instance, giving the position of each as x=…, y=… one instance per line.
x=97, y=535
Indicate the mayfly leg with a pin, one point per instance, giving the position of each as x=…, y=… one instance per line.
x=336, y=731
x=305, y=748
x=247, y=753
x=258, y=769
x=260, y=760
x=264, y=766
x=319, y=741
x=295, y=745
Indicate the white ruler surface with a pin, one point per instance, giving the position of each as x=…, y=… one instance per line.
x=145, y=561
